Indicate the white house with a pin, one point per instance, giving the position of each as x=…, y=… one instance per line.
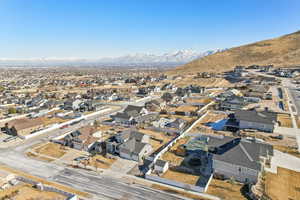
x=161, y=166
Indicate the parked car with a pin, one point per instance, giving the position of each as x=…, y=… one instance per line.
x=64, y=126
x=80, y=158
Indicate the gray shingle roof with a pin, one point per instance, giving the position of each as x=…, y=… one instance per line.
x=132, y=146
x=255, y=116
x=160, y=163
x=242, y=153
x=133, y=111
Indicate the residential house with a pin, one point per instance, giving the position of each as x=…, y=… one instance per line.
x=237, y=158
x=177, y=124
x=129, y=144
x=72, y=104
x=252, y=119
x=82, y=139
x=232, y=103
x=130, y=115
x=161, y=166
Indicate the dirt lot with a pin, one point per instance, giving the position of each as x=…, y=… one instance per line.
x=186, y=118
x=184, y=108
x=62, y=187
x=51, y=149
x=48, y=121
x=210, y=117
x=198, y=100
x=177, y=192
x=285, y=185
x=288, y=149
x=204, y=82
x=285, y=120
x=158, y=136
x=38, y=157
x=27, y=192
x=181, y=177
x=171, y=156
x=99, y=161
x=225, y=190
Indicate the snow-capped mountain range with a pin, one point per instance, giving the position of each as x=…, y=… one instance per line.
x=139, y=59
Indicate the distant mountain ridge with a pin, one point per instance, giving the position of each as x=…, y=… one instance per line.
x=140, y=59
x=283, y=51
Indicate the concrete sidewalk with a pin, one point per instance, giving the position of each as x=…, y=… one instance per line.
x=283, y=160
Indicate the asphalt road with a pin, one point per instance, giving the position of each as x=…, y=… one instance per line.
x=105, y=187
x=295, y=95
x=99, y=185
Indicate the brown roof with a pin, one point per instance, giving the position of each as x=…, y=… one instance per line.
x=86, y=135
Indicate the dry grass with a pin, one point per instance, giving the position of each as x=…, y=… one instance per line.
x=285, y=120
x=283, y=51
x=51, y=149
x=205, y=82
x=158, y=136
x=213, y=117
x=48, y=121
x=185, y=109
x=197, y=100
x=27, y=192
x=99, y=161
x=285, y=185
x=177, y=192
x=186, y=118
x=43, y=181
x=210, y=117
x=181, y=177
x=38, y=157
x=287, y=149
x=171, y=156
x=225, y=190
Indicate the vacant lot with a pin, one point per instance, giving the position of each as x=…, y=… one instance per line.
x=186, y=118
x=183, y=108
x=27, y=192
x=48, y=121
x=285, y=120
x=51, y=149
x=198, y=100
x=203, y=82
x=285, y=185
x=181, y=177
x=225, y=190
x=39, y=157
x=99, y=161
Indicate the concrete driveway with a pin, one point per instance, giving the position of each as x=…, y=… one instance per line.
x=123, y=166
x=284, y=160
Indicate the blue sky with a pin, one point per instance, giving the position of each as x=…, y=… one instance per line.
x=101, y=28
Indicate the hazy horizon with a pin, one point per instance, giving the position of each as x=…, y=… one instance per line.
x=67, y=29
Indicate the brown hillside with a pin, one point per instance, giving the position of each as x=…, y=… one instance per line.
x=281, y=52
